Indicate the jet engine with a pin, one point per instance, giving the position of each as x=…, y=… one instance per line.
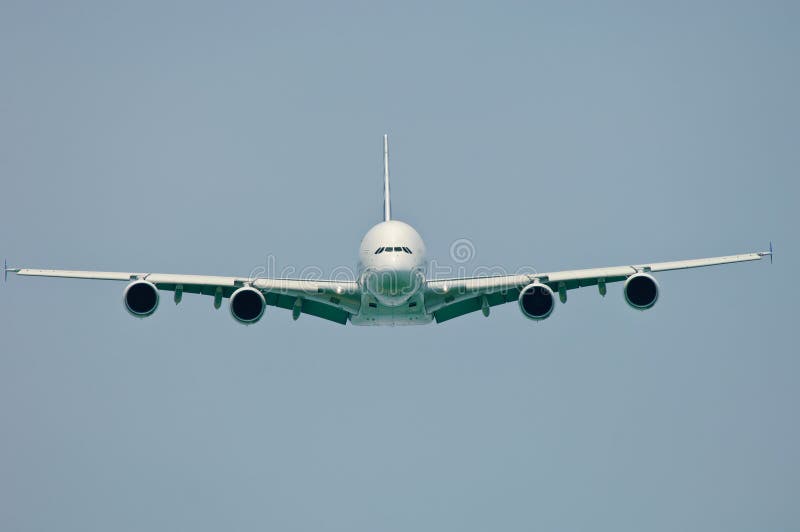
x=247, y=305
x=140, y=298
x=641, y=291
x=537, y=301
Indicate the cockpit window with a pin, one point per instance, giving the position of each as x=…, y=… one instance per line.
x=390, y=249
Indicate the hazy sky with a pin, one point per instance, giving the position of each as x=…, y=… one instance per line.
x=202, y=138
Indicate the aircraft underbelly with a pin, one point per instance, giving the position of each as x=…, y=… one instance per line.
x=374, y=313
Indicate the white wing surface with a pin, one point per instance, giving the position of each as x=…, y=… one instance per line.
x=328, y=299
x=449, y=298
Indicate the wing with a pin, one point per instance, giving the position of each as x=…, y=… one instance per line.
x=449, y=298
x=328, y=299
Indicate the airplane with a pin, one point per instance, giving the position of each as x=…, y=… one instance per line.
x=391, y=287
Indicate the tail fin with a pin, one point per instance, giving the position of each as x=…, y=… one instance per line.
x=387, y=202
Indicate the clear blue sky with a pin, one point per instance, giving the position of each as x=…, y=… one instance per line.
x=200, y=138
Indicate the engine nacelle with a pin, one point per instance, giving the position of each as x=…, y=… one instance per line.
x=140, y=298
x=247, y=305
x=537, y=301
x=641, y=291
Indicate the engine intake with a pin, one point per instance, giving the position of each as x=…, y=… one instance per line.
x=537, y=301
x=641, y=291
x=140, y=298
x=247, y=305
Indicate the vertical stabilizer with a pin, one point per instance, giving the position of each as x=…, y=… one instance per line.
x=387, y=202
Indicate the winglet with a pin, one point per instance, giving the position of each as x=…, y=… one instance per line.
x=765, y=253
x=6, y=269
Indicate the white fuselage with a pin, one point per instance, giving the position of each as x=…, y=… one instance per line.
x=392, y=274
